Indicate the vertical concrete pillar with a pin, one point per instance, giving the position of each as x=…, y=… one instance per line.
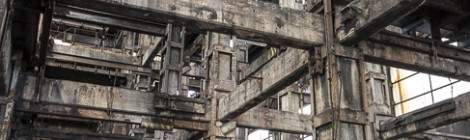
x=171, y=68
x=172, y=62
x=7, y=73
x=220, y=66
x=339, y=111
x=290, y=102
x=4, y=48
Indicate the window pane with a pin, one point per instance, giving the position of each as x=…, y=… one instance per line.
x=418, y=103
x=399, y=109
x=442, y=94
x=460, y=88
x=397, y=74
x=259, y=135
x=412, y=86
x=439, y=81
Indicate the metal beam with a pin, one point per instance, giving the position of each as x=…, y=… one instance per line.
x=98, y=18
x=251, y=20
x=436, y=115
x=363, y=18
x=279, y=73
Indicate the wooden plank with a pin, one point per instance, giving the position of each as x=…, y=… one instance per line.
x=251, y=20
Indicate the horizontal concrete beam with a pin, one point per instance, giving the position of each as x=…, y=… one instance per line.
x=443, y=113
x=385, y=48
x=71, y=66
x=251, y=20
x=277, y=74
x=372, y=16
x=99, y=63
x=82, y=100
x=90, y=52
x=38, y=133
x=400, y=51
x=269, y=119
x=152, y=51
x=70, y=99
x=266, y=56
x=111, y=21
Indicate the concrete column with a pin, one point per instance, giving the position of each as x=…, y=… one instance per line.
x=290, y=102
x=220, y=65
x=5, y=49
x=8, y=75
x=171, y=69
x=339, y=112
x=170, y=73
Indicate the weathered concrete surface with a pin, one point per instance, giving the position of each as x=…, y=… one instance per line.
x=279, y=73
x=283, y=121
x=152, y=51
x=267, y=54
x=405, y=52
x=74, y=99
x=172, y=61
x=40, y=133
x=89, y=101
x=384, y=48
x=364, y=18
x=110, y=55
x=250, y=20
x=5, y=48
x=116, y=22
x=96, y=62
x=5, y=71
x=433, y=116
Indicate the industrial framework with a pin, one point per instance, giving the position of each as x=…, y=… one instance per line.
x=222, y=69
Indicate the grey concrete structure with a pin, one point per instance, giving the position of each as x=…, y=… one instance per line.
x=223, y=69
